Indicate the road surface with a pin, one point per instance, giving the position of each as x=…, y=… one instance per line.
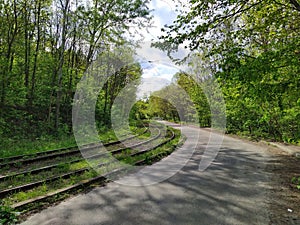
x=234, y=189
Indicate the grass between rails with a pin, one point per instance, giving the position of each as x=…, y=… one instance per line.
x=64, y=168
x=47, y=188
x=18, y=167
x=50, y=187
x=27, y=178
x=157, y=153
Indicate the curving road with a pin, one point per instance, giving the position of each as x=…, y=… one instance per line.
x=234, y=189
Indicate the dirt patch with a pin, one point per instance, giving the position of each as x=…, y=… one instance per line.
x=284, y=196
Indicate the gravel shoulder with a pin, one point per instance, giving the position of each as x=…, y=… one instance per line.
x=285, y=197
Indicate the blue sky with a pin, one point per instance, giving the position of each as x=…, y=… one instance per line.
x=161, y=66
x=156, y=75
x=158, y=69
x=164, y=13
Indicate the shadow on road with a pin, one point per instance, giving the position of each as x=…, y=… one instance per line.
x=233, y=190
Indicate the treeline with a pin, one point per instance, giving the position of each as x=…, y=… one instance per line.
x=45, y=48
x=182, y=101
x=252, y=48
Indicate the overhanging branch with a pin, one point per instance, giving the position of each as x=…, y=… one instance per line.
x=296, y=4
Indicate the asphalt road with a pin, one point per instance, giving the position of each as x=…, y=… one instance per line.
x=232, y=190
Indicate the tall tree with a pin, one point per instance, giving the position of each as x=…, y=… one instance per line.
x=47, y=46
x=255, y=46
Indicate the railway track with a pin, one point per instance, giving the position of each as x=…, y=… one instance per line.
x=117, y=149
x=21, y=183
x=92, y=156
x=29, y=158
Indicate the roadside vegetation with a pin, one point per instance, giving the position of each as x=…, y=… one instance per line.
x=67, y=177
x=46, y=48
x=249, y=49
x=296, y=181
x=252, y=50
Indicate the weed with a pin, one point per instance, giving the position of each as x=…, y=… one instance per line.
x=28, y=146
x=296, y=181
x=63, y=167
x=7, y=215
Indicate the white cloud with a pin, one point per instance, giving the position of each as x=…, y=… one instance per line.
x=150, y=85
x=148, y=53
x=164, y=13
x=158, y=69
x=155, y=77
x=158, y=4
x=152, y=72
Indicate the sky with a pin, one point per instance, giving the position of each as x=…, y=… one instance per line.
x=158, y=69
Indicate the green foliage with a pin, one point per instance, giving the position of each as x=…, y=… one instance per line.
x=197, y=96
x=7, y=215
x=162, y=108
x=16, y=146
x=45, y=49
x=189, y=99
x=140, y=110
x=296, y=181
x=252, y=49
x=202, y=22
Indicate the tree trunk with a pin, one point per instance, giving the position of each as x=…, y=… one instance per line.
x=37, y=47
x=296, y=4
x=26, y=47
x=65, y=7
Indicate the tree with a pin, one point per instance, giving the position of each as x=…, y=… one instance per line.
x=197, y=96
x=204, y=19
x=254, y=49
x=45, y=49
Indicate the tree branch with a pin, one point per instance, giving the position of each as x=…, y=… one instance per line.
x=296, y=4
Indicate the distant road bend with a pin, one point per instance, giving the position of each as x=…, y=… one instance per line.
x=233, y=190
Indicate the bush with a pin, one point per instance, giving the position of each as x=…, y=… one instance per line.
x=296, y=181
x=7, y=215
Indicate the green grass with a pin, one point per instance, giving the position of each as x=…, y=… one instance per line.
x=296, y=181
x=50, y=187
x=12, y=147
x=162, y=151
x=27, y=178
x=110, y=136
x=7, y=215
x=55, y=185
